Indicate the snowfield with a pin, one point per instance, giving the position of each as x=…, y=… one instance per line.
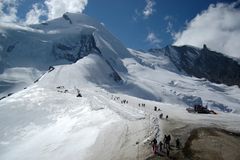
x=41, y=116
x=41, y=123
x=48, y=124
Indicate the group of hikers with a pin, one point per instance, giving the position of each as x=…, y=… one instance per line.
x=62, y=89
x=165, y=146
x=161, y=116
x=141, y=104
x=124, y=101
x=156, y=108
x=115, y=98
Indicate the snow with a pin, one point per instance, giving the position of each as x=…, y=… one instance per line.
x=44, y=122
x=14, y=79
x=90, y=69
x=47, y=120
x=176, y=87
x=34, y=47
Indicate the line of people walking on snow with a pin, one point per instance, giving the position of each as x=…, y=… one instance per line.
x=124, y=101
x=62, y=89
x=164, y=147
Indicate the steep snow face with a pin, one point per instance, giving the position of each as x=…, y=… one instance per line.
x=87, y=72
x=157, y=59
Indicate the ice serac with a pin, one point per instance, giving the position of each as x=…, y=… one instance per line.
x=204, y=63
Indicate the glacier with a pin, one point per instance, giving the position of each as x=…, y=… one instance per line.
x=44, y=66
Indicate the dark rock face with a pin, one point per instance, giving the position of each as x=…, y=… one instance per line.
x=65, y=16
x=84, y=46
x=204, y=63
x=75, y=51
x=44, y=23
x=218, y=68
x=11, y=47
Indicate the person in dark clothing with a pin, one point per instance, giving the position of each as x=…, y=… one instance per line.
x=160, y=146
x=168, y=141
x=154, y=141
x=154, y=145
x=169, y=137
x=165, y=141
x=177, y=143
x=78, y=93
x=155, y=108
x=166, y=117
x=161, y=115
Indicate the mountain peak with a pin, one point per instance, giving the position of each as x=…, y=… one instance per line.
x=61, y=41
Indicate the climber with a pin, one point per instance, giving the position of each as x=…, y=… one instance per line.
x=154, y=145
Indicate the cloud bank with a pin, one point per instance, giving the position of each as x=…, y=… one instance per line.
x=56, y=8
x=218, y=27
x=49, y=8
x=8, y=10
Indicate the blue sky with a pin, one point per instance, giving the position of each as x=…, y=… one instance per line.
x=172, y=22
x=124, y=18
x=141, y=24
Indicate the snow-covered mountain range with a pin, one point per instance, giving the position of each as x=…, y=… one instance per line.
x=43, y=67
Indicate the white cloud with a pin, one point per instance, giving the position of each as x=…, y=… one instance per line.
x=170, y=29
x=53, y=9
x=148, y=10
x=153, y=39
x=48, y=8
x=218, y=27
x=56, y=8
x=33, y=16
x=8, y=10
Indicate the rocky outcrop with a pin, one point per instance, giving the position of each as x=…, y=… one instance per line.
x=75, y=51
x=204, y=63
x=65, y=16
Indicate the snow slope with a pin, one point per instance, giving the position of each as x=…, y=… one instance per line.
x=47, y=120
x=17, y=78
x=171, y=86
